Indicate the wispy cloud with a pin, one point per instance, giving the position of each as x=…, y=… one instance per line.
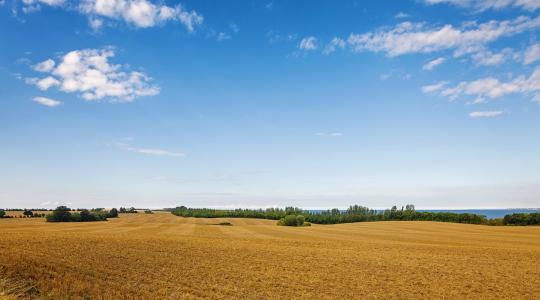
x=430, y=65
x=401, y=15
x=335, y=43
x=481, y=5
x=493, y=88
x=329, y=134
x=149, y=151
x=532, y=54
x=407, y=37
x=308, y=43
x=488, y=58
x=486, y=114
x=275, y=37
x=432, y=88
x=47, y=101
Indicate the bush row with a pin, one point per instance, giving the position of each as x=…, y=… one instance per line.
x=64, y=214
x=522, y=219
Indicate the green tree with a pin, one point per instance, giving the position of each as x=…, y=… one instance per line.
x=2, y=213
x=60, y=214
x=113, y=213
x=28, y=213
x=86, y=216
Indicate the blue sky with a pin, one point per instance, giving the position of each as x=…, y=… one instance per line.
x=316, y=104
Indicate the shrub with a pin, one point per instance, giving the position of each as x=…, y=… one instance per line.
x=60, y=214
x=293, y=220
x=225, y=224
x=28, y=213
x=113, y=213
x=148, y=211
x=2, y=213
x=496, y=222
x=131, y=210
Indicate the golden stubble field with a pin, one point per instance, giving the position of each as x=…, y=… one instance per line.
x=161, y=256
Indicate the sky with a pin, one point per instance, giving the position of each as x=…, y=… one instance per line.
x=315, y=104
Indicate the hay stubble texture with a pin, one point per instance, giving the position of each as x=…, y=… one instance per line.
x=161, y=256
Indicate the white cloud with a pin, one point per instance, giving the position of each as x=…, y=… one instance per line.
x=150, y=151
x=407, y=37
x=401, y=15
x=275, y=37
x=47, y=101
x=44, y=66
x=334, y=44
x=481, y=5
x=485, y=114
x=308, y=43
x=488, y=58
x=95, y=23
x=432, y=88
x=532, y=54
x=223, y=36
x=139, y=13
x=329, y=134
x=44, y=83
x=46, y=2
x=89, y=73
x=492, y=88
x=433, y=63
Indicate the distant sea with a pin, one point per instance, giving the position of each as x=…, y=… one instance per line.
x=489, y=213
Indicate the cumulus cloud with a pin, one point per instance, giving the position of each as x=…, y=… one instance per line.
x=308, y=43
x=150, y=151
x=407, y=37
x=47, y=101
x=485, y=114
x=43, y=83
x=44, y=66
x=430, y=65
x=481, y=5
x=532, y=54
x=138, y=13
x=492, y=88
x=89, y=73
x=141, y=13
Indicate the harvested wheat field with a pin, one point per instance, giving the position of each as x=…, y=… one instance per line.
x=163, y=256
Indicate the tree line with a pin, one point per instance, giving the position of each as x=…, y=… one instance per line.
x=64, y=214
x=356, y=213
x=522, y=219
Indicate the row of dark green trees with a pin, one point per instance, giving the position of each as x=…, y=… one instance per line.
x=64, y=214
x=357, y=213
